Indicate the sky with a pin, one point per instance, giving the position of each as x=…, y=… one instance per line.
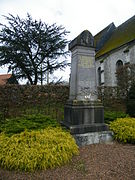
x=74, y=15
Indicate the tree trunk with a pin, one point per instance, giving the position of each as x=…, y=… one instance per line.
x=47, y=76
x=36, y=78
x=41, y=76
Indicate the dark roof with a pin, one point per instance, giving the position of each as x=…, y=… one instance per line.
x=122, y=35
x=101, y=38
x=4, y=78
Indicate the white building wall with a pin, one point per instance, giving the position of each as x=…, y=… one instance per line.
x=108, y=64
x=132, y=55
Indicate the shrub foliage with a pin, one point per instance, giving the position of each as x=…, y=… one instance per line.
x=32, y=122
x=16, y=100
x=124, y=129
x=34, y=150
x=131, y=101
x=110, y=116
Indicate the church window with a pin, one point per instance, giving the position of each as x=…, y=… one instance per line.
x=99, y=76
x=119, y=64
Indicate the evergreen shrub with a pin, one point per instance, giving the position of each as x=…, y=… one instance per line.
x=32, y=122
x=131, y=101
x=37, y=150
x=110, y=116
x=131, y=107
x=124, y=129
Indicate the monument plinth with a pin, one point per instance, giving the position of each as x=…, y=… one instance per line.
x=83, y=112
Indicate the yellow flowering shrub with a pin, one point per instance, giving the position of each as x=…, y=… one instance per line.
x=124, y=129
x=34, y=150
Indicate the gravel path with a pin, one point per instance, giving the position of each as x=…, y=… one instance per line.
x=95, y=162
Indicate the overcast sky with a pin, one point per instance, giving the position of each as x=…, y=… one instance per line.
x=74, y=15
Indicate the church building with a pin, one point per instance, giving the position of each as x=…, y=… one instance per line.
x=115, y=47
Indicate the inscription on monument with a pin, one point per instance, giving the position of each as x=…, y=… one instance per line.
x=85, y=62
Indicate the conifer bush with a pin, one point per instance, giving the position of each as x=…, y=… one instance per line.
x=131, y=101
x=37, y=149
x=32, y=122
x=124, y=129
x=110, y=116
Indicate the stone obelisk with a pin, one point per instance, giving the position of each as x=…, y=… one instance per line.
x=83, y=113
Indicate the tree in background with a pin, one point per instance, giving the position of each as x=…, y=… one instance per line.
x=12, y=80
x=125, y=78
x=131, y=101
x=31, y=48
x=126, y=87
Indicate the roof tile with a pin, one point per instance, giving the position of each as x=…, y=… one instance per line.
x=4, y=78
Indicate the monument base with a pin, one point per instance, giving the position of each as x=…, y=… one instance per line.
x=84, y=117
x=85, y=120
x=85, y=128
x=93, y=138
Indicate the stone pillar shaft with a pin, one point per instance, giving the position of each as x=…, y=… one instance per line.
x=83, y=113
x=83, y=74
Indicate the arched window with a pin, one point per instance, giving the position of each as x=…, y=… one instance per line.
x=119, y=64
x=119, y=71
x=99, y=76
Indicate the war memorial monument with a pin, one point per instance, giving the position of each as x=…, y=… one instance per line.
x=84, y=113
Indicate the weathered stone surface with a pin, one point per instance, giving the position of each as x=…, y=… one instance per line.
x=84, y=116
x=84, y=39
x=94, y=138
x=83, y=74
x=83, y=113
